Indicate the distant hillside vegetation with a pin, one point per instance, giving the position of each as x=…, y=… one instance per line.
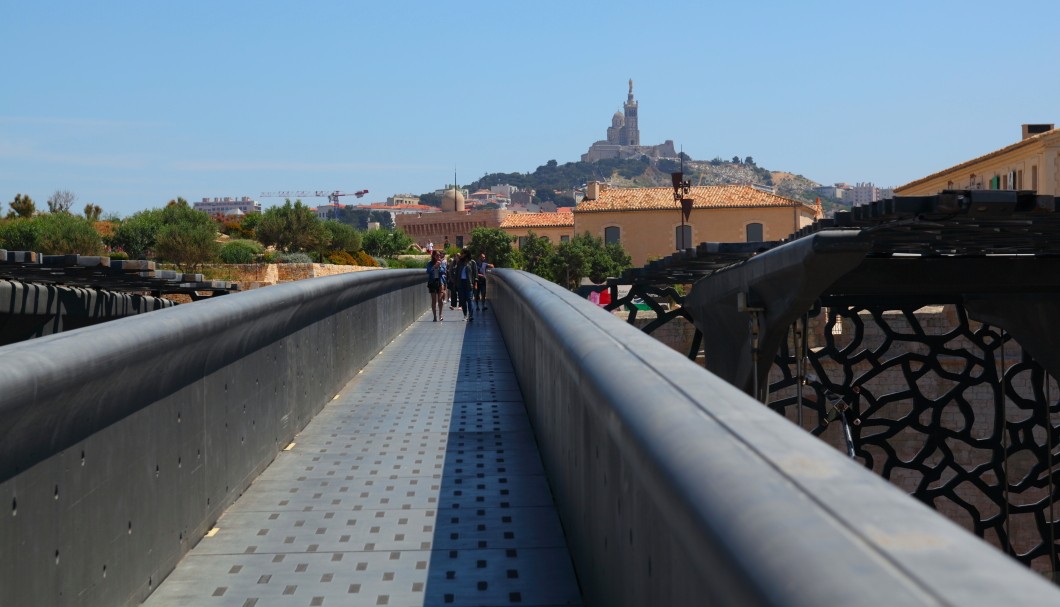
x=554, y=181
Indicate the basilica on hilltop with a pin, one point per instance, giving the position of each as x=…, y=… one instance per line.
x=623, y=138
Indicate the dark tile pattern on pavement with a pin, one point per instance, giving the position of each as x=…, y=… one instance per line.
x=420, y=484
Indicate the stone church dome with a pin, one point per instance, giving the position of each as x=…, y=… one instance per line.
x=452, y=200
x=618, y=120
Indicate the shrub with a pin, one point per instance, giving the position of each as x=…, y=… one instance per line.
x=19, y=235
x=119, y=255
x=62, y=233
x=240, y=251
x=136, y=235
x=406, y=262
x=293, y=258
x=360, y=258
x=341, y=258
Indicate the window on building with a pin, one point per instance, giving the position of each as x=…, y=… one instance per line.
x=1019, y=179
x=522, y=242
x=612, y=234
x=459, y=242
x=682, y=237
x=564, y=238
x=754, y=232
x=1034, y=177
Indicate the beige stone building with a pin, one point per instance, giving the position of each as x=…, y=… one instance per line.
x=1033, y=163
x=453, y=224
x=557, y=227
x=647, y=221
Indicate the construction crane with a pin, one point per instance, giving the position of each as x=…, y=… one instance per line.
x=333, y=197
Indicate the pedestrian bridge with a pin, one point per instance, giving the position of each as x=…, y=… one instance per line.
x=324, y=443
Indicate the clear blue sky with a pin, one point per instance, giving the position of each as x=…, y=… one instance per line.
x=130, y=104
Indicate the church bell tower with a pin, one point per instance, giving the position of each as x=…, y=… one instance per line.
x=631, y=132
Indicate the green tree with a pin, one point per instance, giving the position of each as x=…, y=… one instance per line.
x=569, y=264
x=62, y=234
x=495, y=243
x=19, y=234
x=359, y=217
x=586, y=255
x=22, y=206
x=291, y=228
x=384, y=218
x=565, y=201
x=248, y=224
x=385, y=243
x=51, y=234
x=537, y=254
x=186, y=237
x=341, y=237
x=609, y=262
x=137, y=234
x=431, y=199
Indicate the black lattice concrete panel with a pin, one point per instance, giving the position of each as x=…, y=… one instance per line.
x=421, y=484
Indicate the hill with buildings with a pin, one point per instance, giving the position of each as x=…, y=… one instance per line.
x=557, y=182
x=621, y=160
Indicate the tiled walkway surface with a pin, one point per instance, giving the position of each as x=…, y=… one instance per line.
x=420, y=484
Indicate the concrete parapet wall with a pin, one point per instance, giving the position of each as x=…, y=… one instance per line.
x=121, y=444
x=675, y=488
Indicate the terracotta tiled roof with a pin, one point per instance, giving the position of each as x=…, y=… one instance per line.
x=538, y=220
x=706, y=197
x=968, y=163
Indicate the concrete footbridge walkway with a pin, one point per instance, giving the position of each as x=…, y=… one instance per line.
x=324, y=442
x=419, y=484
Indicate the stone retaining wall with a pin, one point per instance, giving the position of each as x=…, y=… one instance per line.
x=255, y=275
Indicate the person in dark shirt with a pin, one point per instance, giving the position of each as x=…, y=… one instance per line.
x=480, y=284
x=454, y=284
x=436, y=276
x=466, y=276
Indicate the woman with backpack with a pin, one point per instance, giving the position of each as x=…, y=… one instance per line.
x=436, y=276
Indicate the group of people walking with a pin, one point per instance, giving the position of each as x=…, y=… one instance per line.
x=461, y=280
